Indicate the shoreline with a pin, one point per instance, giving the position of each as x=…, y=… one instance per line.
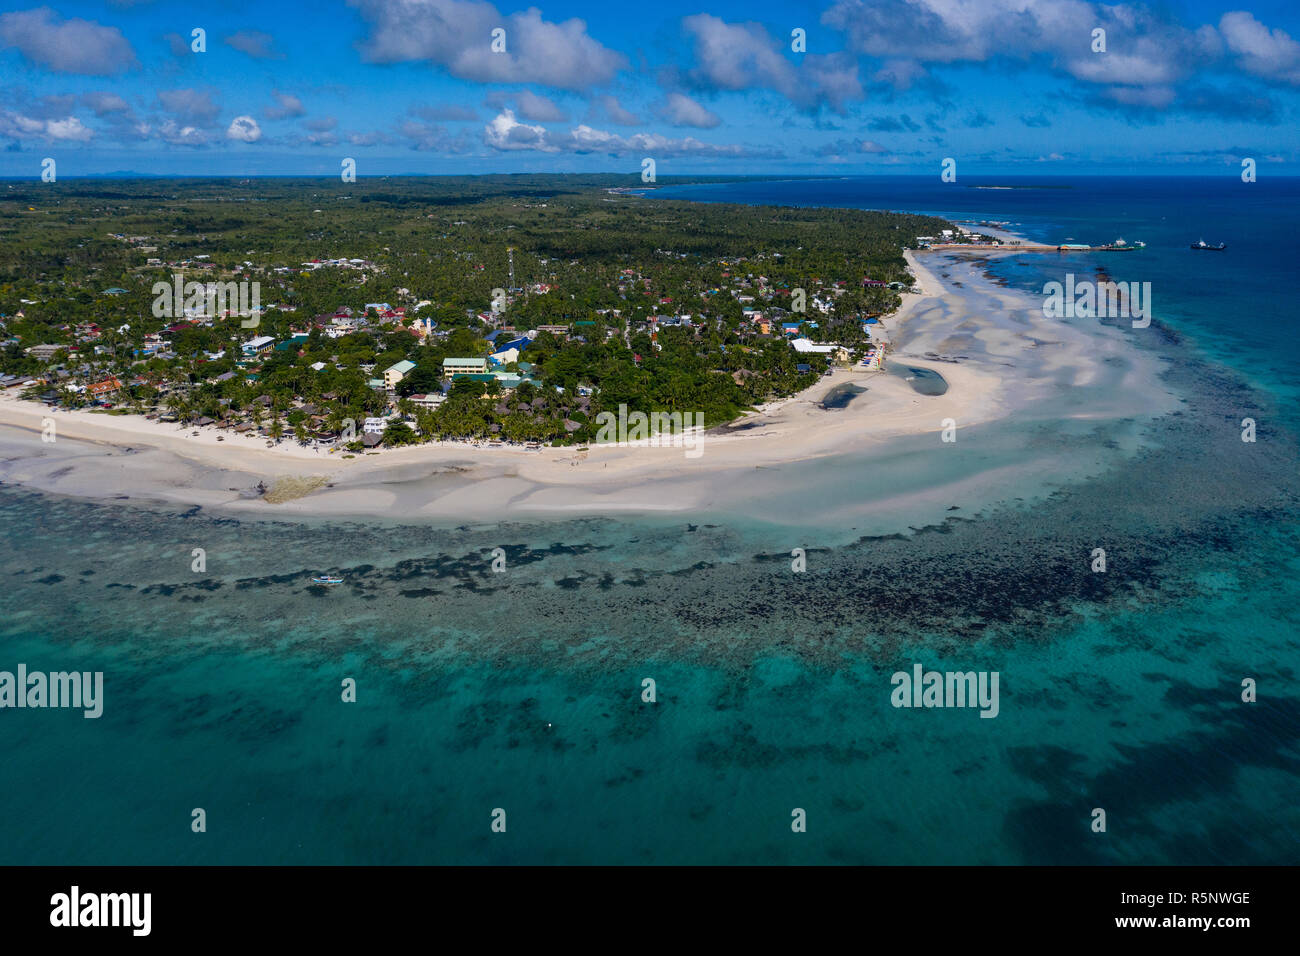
x=973, y=334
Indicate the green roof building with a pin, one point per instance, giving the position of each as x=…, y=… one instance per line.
x=457, y=366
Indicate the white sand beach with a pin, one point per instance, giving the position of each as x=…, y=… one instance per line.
x=997, y=355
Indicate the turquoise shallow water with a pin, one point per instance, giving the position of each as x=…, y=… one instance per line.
x=522, y=690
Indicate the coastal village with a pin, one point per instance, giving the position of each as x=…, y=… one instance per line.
x=525, y=368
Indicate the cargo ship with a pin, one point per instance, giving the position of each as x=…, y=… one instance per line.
x=1203, y=245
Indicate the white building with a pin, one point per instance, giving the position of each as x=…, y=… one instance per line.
x=809, y=347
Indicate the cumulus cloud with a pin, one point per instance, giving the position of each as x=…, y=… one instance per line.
x=681, y=110
x=743, y=56
x=69, y=128
x=1149, y=59
x=457, y=35
x=321, y=124
x=1270, y=54
x=181, y=134
x=66, y=46
x=507, y=133
x=244, y=129
x=22, y=127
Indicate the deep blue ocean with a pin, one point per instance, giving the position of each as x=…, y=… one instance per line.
x=1239, y=303
x=522, y=691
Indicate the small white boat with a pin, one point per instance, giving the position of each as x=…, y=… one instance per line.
x=326, y=579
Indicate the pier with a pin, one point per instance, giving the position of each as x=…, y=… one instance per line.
x=1024, y=247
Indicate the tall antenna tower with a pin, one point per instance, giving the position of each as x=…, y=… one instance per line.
x=510, y=250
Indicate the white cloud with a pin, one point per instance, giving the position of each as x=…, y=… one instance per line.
x=681, y=110
x=742, y=56
x=21, y=127
x=66, y=46
x=244, y=129
x=68, y=129
x=507, y=133
x=457, y=35
x=1143, y=47
x=178, y=134
x=1272, y=55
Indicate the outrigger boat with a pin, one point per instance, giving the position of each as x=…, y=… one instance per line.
x=326, y=579
x=1203, y=245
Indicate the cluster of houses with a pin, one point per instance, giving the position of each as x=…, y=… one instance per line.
x=768, y=308
x=959, y=236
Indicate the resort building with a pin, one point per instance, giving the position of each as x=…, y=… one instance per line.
x=808, y=347
x=44, y=352
x=107, y=387
x=466, y=366
x=395, y=373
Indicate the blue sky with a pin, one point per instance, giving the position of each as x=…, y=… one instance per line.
x=415, y=86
